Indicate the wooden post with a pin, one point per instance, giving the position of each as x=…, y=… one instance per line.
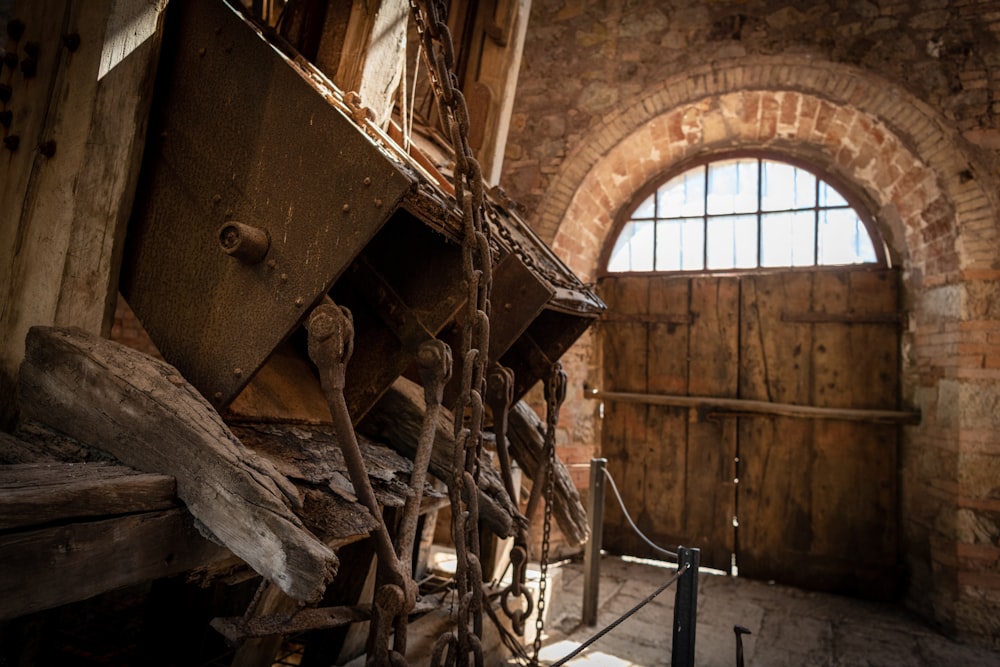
x=592, y=556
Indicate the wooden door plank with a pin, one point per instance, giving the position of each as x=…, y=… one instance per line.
x=817, y=499
x=665, y=465
x=775, y=452
x=713, y=351
x=624, y=341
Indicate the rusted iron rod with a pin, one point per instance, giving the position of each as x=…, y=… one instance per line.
x=744, y=406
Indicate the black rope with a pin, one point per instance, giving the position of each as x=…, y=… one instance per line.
x=649, y=598
x=638, y=532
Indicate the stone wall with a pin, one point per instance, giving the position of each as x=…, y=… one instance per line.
x=893, y=99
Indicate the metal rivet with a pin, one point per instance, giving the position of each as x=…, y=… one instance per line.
x=71, y=42
x=346, y=208
x=271, y=263
x=378, y=203
x=216, y=198
x=218, y=395
x=368, y=180
x=284, y=277
x=201, y=52
x=47, y=148
x=299, y=301
x=238, y=372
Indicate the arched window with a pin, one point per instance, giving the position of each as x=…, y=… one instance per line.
x=743, y=214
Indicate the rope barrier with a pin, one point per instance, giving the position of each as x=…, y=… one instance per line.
x=621, y=619
x=621, y=503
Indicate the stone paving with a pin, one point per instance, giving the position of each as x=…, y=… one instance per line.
x=789, y=626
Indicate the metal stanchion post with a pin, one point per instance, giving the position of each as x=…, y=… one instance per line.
x=686, y=608
x=592, y=555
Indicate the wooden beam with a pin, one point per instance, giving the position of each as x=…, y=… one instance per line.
x=65, y=209
x=54, y=566
x=33, y=494
x=145, y=414
x=745, y=406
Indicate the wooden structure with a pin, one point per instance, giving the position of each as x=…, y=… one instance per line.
x=736, y=462
x=265, y=188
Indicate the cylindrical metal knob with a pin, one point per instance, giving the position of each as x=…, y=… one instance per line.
x=246, y=243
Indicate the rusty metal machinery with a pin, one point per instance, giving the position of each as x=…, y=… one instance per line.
x=261, y=193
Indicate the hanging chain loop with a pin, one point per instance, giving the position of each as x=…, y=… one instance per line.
x=477, y=266
x=555, y=394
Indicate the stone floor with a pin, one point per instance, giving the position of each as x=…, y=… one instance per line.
x=789, y=626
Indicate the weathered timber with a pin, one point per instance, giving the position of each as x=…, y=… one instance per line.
x=50, y=567
x=309, y=456
x=527, y=439
x=145, y=414
x=744, y=406
x=33, y=494
x=396, y=420
x=64, y=215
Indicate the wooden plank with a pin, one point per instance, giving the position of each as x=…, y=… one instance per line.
x=623, y=431
x=664, y=464
x=54, y=566
x=33, y=494
x=817, y=502
x=59, y=256
x=713, y=350
x=145, y=414
x=734, y=407
x=774, y=504
x=855, y=516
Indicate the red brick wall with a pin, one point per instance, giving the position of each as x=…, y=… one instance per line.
x=892, y=99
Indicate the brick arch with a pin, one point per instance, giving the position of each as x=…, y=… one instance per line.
x=885, y=143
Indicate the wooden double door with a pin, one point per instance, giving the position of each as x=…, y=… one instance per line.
x=802, y=501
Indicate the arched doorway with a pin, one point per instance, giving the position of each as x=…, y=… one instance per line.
x=753, y=281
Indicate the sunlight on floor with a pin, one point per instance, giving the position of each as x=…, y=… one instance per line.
x=556, y=651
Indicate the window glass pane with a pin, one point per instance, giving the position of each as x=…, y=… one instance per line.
x=830, y=197
x=785, y=188
x=680, y=245
x=646, y=209
x=788, y=239
x=732, y=187
x=843, y=238
x=732, y=242
x=684, y=195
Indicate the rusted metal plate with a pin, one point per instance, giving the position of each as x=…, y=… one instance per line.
x=239, y=133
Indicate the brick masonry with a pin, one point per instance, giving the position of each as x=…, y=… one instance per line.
x=893, y=100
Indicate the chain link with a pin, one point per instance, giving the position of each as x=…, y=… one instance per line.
x=477, y=264
x=555, y=394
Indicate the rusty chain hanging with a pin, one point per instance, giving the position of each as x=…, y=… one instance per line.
x=477, y=266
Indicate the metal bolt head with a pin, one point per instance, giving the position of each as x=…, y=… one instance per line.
x=299, y=301
x=368, y=180
x=346, y=208
x=238, y=372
